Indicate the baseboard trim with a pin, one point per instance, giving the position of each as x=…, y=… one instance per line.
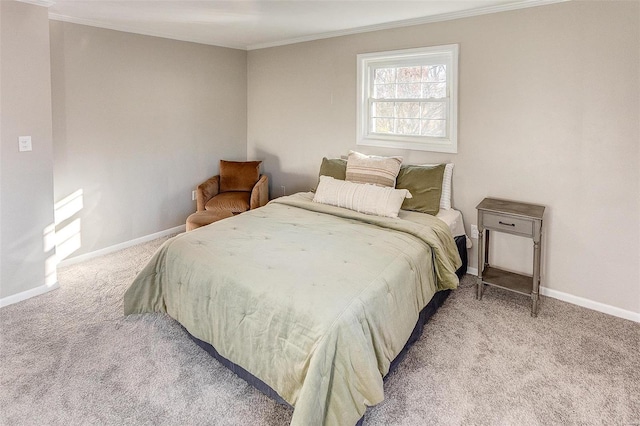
x=591, y=304
x=28, y=294
x=581, y=301
x=83, y=257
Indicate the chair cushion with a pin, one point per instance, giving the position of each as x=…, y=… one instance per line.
x=234, y=201
x=238, y=175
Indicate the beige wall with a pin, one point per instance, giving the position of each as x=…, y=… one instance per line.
x=548, y=113
x=26, y=178
x=138, y=123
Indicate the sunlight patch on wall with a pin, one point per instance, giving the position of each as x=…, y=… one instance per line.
x=50, y=264
x=68, y=239
x=68, y=230
x=68, y=206
x=49, y=238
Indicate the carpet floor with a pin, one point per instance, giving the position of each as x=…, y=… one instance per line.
x=70, y=357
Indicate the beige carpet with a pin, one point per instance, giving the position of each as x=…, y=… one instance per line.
x=70, y=358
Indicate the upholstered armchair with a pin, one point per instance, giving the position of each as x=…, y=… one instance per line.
x=239, y=187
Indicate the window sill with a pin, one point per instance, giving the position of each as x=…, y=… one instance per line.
x=444, y=146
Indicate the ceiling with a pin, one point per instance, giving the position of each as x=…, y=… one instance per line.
x=255, y=24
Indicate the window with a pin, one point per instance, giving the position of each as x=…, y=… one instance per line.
x=408, y=99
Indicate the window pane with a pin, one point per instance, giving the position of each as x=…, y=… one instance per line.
x=384, y=91
x=384, y=75
x=382, y=109
x=434, y=90
x=382, y=125
x=433, y=110
x=433, y=128
x=411, y=90
x=409, y=75
x=434, y=73
x=408, y=109
x=407, y=127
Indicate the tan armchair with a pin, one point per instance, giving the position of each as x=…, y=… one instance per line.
x=239, y=187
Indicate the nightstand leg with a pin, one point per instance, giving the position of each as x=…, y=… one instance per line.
x=479, y=285
x=487, y=233
x=536, y=278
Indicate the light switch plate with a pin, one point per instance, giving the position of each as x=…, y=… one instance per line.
x=24, y=143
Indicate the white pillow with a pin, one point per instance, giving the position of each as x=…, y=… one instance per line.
x=361, y=197
x=381, y=171
x=445, y=197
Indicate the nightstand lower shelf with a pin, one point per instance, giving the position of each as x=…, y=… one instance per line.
x=511, y=281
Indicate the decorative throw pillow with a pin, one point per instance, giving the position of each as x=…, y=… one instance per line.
x=381, y=171
x=425, y=184
x=238, y=175
x=334, y=167
x=445, y=198
x=363, y=198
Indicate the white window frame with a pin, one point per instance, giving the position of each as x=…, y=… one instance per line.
x=367, y=62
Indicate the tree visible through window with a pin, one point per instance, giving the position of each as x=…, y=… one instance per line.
x=407, y=99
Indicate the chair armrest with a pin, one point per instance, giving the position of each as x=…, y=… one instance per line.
x=207, y=191
x=260, y=193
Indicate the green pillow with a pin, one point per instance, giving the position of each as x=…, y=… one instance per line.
x=334, y=167
x=425, y=185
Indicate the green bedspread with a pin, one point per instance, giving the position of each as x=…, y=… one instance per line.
x=313, y=300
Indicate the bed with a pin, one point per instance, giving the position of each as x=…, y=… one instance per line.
x=312, y=300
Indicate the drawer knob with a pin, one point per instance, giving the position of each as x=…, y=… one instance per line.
x=506, y=224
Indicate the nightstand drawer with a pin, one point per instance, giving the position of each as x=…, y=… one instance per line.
x=510, y=224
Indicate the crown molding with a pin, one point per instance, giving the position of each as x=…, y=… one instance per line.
x=127, y=29
x=45, y=3
x=409, y=22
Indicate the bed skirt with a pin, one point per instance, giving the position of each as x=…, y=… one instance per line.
x=461, y=243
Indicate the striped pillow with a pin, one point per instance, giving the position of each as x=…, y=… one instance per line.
x=363, y=198
x=381, y=171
